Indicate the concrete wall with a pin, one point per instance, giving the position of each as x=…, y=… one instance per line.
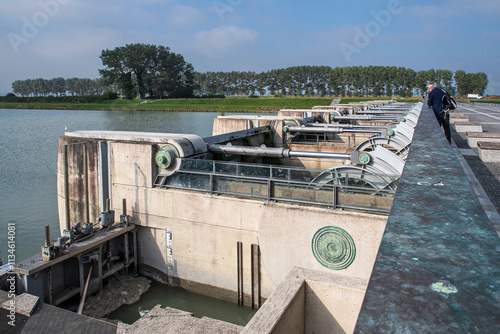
x=332, y=307
x=206, y=228
x=309, y=301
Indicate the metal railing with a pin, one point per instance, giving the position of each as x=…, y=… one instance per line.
x=279, y=184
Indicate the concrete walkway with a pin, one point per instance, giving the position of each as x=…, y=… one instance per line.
x=483, y=176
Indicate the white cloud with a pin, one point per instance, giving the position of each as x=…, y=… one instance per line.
x=224, y=38
x=186, y=16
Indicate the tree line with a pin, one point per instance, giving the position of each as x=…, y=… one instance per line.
x=354, y=81
x=61, y=87
x=151, y=71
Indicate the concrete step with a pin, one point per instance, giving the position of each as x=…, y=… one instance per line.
x=463, y=127
x=489, y=151
x=474, y=137
x=454, y=118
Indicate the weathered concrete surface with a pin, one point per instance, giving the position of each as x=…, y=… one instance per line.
x=51, y=319
x=309, y=301
x=489, y=151
x=286, y=232
x=121, y=290
x=438, y=265
x=205, y=228
x=333, y=307
x=24, y=304
x=283, y=312
x=172, y=321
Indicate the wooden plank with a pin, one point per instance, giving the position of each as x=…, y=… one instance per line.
x=483, y=134
x=486, y=145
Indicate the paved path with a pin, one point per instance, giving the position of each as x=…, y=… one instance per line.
x=485, y=177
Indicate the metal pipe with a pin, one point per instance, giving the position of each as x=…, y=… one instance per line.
x=274, y=152
x=82, y=301
x=255, y=273
x=124, y=206
x=378, y=112
x=345, y=126
x=86, y=182
x=321, y=155
x=66, y=187
x=239, y=250
x=47, y=235
x=364, y=118
x=303, y=129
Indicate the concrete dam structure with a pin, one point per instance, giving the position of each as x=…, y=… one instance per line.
x=284, y=213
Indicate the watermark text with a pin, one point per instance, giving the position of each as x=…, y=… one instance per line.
x=31, y=26
x=224, y=6
x=363, y=37
x=11, y=279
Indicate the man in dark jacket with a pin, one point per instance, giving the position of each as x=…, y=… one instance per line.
x=436, y=102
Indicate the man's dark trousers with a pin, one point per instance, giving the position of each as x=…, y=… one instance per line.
x=444, y=121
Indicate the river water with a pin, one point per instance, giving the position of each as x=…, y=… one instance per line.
x=28, y=166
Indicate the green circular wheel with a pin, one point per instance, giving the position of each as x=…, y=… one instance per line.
x=364, y=159
x=333, y=248
x=165, y=156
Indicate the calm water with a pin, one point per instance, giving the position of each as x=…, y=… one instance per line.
x=183, y=300
x=28, y=162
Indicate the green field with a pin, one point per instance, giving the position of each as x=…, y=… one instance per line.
x=230, y=104
x=486, y=101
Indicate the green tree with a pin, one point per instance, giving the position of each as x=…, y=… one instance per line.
x=461, y=82
x=151, y=69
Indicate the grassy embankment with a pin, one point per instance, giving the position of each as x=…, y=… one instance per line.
x=230, y=104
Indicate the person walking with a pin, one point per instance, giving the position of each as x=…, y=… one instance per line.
x=436, y=102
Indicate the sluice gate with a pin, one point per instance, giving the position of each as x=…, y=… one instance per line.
x=235, y=215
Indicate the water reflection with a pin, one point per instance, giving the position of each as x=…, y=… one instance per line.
x=28, y=161
x=187, y=301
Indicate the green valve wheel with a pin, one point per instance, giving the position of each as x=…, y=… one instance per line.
x=402, y=119
x=333, y=248
x=390, y=133
x=364, y=159
x=165, y=156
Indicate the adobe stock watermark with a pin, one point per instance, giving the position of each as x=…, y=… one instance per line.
x=363, y=37
x=224, y=6
x=11, y=279
x=31, y=27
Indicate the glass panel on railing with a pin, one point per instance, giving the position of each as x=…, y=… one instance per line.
x=225, y=168
x=260, y=171
x=369, y=198
x=189, y=181
x=315, y=194
x=196, y=165
x=251, y=188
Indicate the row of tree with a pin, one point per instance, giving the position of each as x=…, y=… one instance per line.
x=338, y=81
x=151, y=71
x=61, y=87
x=470, y=83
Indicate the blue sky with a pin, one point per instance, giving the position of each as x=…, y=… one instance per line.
x=64, y=38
